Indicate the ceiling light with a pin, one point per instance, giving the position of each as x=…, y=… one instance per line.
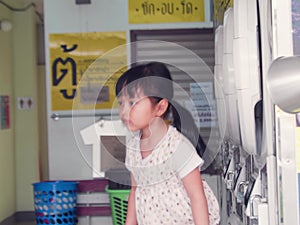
x=5, y=25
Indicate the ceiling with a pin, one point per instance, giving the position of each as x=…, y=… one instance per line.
x=20, y=5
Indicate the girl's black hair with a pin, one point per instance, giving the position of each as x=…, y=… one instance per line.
x=154, y=80
x=184, y=122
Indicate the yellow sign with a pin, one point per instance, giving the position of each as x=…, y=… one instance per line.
x=83, y=69
x=165, y=11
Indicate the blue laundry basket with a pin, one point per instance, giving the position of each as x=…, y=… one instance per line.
x=55, y=202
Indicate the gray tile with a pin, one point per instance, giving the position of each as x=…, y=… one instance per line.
x=25, y=223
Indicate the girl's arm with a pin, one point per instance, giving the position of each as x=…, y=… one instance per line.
x=194, y=187
x=131, y=214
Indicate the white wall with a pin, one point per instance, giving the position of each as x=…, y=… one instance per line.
x=7, y=151
x=68, y=157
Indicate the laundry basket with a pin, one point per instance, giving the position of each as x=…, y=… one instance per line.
x=55, y=202
x=119, y=204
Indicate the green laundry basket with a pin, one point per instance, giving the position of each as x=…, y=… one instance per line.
x=119, y=204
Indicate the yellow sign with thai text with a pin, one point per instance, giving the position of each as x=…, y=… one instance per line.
x=165, y=11
x=84, y=69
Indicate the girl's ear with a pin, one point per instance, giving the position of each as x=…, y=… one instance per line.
x=162, y=107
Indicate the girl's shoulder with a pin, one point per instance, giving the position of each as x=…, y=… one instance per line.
x=177, y=136
x=179, y=143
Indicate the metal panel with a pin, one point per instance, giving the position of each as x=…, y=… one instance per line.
x=189, y=54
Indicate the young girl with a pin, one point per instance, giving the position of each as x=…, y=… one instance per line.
x=167, y=187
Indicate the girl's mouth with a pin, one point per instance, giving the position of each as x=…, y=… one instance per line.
x=126, y=122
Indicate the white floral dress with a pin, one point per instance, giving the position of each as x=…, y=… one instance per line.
x=160, y=196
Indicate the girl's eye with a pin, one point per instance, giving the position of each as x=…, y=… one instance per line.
x=132, y=103
x=120, y=103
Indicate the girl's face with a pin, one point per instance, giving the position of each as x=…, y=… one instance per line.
x=136, y=112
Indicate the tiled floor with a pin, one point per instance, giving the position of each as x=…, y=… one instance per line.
x=18, y=221
x=25, y=223
x=81, y=221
